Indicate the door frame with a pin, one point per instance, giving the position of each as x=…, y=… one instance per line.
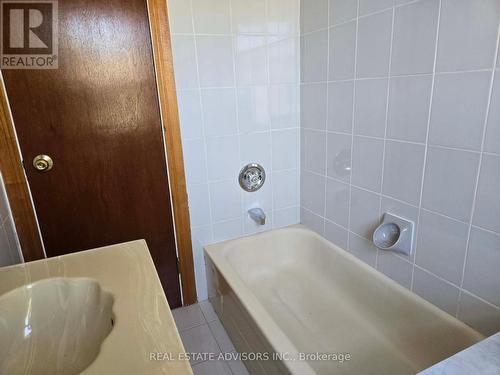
x=11, y=162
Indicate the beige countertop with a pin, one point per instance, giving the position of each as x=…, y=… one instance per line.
x=144, y=324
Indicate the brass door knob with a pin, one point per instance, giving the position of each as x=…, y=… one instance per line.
x=43, y=163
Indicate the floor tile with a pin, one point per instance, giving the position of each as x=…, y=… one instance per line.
x=188, y=317
x=221, y=336
x=199, y=340
x=211, y=368
x=237, y=367
x=208, y=311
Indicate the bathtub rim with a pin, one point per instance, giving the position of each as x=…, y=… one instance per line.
x=278, y=339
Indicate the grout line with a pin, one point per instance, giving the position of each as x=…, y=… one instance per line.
x=233, y=51
x=424, y=166
x=480, y=299
x=476, y=187
x=396, y=76
x=385, y=127
x=329, y=61
x=402, y=141
x=352, y=124
x=210, y=203
x=403, y=202
x=358, y=16
x=268, y=76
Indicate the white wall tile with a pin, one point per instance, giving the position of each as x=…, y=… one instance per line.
x=5, y=251
x=225, y=198
x=337, y=202
x=314, y=56
x=199, y=264
x=481, y=271
x=285, y=217
x=336, y=234
x=211, y=16
x=253, y=109
x=479, y=315
x=370, y=107
x=415, y=30
x=313, y=106
x=283, y=17
x=486, y=213
x=10, y=249
x=371, y=6
x=436, y=291
x=367, y=162
x=363, y=249
x=223, y=158
x=15, y=246
x=467, y=40
x=199, y=205
x=339, y=163
x=313, y=15
x=441, y=246
x=409, y=100
x=342, y=51
x=395, y=267
x=403, y=171
x=313, y=143
x=215, y=61
x=284, y=106
x=190, y=117
x=180, y=17
x=249, y=16
x=184, y=56
x=340, y=99
x=256, y=148
x=195, y=161
x=342, y=11
x=226, y=230
x=4, y=203
x=312, y=187
x=286, y=189
x=492, y=141
x=364, y=212
x=374, y=43
x=285, y=149
x=283, y=59
x=449, y=182
x=467, y=35
x=459, y=109
x=219, y=112
x=250, y=59
x=243, y=58
x=312, y=221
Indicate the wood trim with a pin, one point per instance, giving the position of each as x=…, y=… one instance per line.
x=17, y=185
x=163, y=61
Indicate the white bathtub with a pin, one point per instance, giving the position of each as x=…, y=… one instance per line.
x=290, y=291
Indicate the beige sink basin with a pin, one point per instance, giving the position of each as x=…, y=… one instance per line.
x=54, y=326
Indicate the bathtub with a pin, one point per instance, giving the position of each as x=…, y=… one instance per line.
x=294, y=303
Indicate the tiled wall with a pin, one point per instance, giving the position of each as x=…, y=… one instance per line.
x=10, y=251
x=236, y=67
x=400, y=112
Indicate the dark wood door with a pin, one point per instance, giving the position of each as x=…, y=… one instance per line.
x=97, y=116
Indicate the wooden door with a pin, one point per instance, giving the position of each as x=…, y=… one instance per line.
x=97, y=116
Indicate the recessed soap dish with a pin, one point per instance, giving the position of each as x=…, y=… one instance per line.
x=394, y=234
